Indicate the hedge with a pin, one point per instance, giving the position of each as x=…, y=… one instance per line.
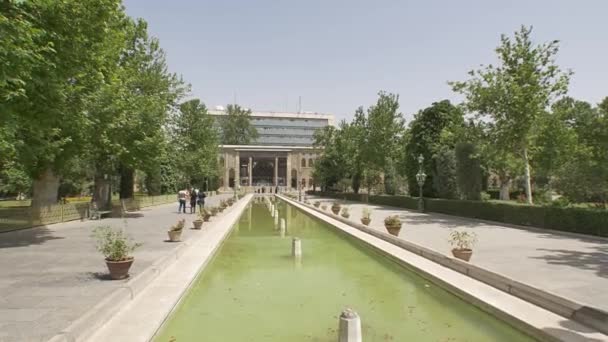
x=576, y=220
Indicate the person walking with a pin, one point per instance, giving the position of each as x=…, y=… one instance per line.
x=193, y=198
x=201, y=200
x=181, y=197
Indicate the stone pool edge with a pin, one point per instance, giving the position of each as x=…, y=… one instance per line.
x=523, y=315
x=136, y=311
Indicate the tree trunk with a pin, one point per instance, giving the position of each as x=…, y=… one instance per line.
x=505, y=189
x=527, y=176
x=45, y=189
x=102, y=195
x=127, y=178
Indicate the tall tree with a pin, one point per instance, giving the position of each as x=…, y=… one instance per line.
x=236, y=127
x=196, y=142
x=384, y=127
x=51, y=115
x=514, y=93
x=429, y=133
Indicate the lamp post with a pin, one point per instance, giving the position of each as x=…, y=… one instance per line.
x=420, y=178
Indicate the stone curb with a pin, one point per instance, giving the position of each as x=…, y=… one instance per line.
x=584, y=314
x=83, y=327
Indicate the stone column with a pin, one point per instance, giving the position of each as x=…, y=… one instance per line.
x=250, y=166
x=276, y=171
x=237, y=170
x=288, y=175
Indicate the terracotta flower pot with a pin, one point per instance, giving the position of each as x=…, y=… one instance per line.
x=119, y=269
x=463, y=254
x=345, y=216
x=335, y=209
x=174, y=235
x=198, y=224
x=366, y=220
x=207, y=217
x=393, y=229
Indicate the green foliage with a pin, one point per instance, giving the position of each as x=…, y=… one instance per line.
x=462, y=239
x=194, y=143
x=468, y=171
x=236, y=127
x=115, y=245
x=429, y=133
x=392, y=220
x=444, y=175
x=514, y=94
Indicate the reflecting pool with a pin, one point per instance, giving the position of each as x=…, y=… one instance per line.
x=254, y=290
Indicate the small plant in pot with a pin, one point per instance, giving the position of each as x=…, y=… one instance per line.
x=213, y=211
x=205, y=214
x=198, y=223
x=393, y=224
x=323, y=207
x=175, y=232
x=463, y=242
x=230, y=201
x=316, y=204
x=366, y=216
x=335, y=208
x=223, y=205
x=116, y=247
x=345, y=212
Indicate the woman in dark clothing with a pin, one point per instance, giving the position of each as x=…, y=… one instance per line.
x=193, y=197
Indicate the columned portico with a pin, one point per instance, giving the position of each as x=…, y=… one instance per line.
x=264, y=167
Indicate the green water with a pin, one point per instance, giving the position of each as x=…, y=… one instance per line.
x=253, y=290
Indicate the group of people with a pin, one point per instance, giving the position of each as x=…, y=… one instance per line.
x=194, y=197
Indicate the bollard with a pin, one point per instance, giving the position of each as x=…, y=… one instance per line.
x=296, y=247
x=350, y=327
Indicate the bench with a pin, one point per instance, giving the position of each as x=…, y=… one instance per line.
x=96, y=214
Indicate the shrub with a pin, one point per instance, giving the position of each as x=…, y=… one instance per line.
x=468, y=171
x=115, y=245
x=462, y=239
x=366, y=212
x=178, y=226
x=345, y=212
x=392, y=220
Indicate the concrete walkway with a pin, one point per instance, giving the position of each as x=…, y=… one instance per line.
x=52, y=275
x=569, y=266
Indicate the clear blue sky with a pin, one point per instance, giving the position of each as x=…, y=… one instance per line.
x=338, y=54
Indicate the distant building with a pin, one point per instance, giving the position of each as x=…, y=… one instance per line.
x=282, y=156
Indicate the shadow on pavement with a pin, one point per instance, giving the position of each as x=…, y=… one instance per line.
x=596, y=260
x=26, y=237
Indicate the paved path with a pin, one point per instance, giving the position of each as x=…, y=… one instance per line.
x=571, y=267
x=52, y=275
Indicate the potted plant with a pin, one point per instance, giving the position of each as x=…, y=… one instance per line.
x=213, y=211
x=198, y=223
x=393, y=224
x=175, y=232
x=335, y=208
x=324, y=207
x=230, y=201
x=205, y=214
x=345, y=212
x=116, y=247
x=316, y=204
x=223, y=205
x=463, y=242
x=366, y=216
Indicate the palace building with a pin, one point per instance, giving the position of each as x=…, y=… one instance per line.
x=282, y=156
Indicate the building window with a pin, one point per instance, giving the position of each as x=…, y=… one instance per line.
x=303, y=162
x=310, y=182
x=310, y=162
x=303, y=182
